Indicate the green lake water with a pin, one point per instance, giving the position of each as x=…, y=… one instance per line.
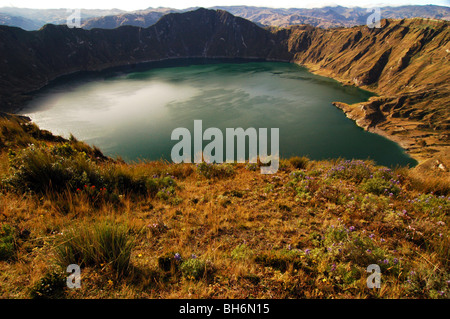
x=131, y=113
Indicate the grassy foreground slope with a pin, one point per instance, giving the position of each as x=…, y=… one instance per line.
x=161, y=230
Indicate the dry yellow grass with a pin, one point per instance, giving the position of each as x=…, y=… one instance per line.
x=306, y=233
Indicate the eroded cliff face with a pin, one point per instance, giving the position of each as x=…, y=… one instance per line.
x=406, y=62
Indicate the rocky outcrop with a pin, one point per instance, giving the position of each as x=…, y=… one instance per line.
x=406, y=62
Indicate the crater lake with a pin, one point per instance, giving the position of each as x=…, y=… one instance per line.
x=131, y=112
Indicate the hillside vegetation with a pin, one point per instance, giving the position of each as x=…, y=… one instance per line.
x=162, y=230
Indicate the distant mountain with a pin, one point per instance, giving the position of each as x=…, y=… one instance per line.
x=326, y=17
x=21, y=22
x=34, y=19
x=144, y=18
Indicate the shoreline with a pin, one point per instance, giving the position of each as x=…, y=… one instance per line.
x=422, y=145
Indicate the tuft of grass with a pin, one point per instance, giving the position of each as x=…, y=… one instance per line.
x=427, y=184
x=101, y=244
x=14, y=134
x=241, y=252
x=299, y=162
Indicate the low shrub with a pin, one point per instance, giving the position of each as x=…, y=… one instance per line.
x=379, y=186
x=96, y=245
x=7, y=242
x=428, y=283
x=193, y=268
x=215, y=170
x=62, y=168
x=355, y=170
x=299, y=162
x=43, y=170
x=50, y=286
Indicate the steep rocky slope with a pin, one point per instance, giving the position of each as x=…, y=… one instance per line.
x=406, y=62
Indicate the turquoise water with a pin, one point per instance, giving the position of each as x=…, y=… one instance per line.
x=132, y=113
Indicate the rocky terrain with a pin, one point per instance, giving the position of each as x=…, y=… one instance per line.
x=405, y=62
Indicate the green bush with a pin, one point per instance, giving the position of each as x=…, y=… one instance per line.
x=62, y=167
x=124, y=183
x=215, y=170
x=50, y=286
x=380, y=186
x=355, y=170
x=41, y=170
x=193, y=268
x=428, y=283
x=7, y=242
x=241, y=252
x=95, y=245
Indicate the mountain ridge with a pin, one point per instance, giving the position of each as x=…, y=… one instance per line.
x=325, y=17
